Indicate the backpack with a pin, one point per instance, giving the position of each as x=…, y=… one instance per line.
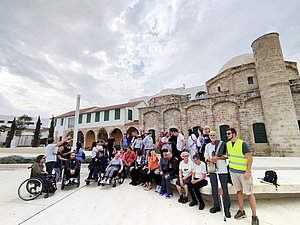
x=271, y=177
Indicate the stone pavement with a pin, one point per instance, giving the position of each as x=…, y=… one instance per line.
x=122, y=205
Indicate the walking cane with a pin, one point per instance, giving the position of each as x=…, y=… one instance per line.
x=221, y=197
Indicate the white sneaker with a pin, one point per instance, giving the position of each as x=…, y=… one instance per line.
x=156, y=189
x=108, y=181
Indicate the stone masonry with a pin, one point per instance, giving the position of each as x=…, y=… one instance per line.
x=272, y=99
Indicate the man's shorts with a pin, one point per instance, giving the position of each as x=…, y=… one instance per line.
x=186, y=182
x=240, y=184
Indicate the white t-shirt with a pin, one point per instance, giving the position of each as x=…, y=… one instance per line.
x=179, y=141
x=200, y=170
x=186, y=168
x=94, y=152
x=199, y=141
x=49, y=156
x=191, y=140
x=221, y=164
x=165, y=146
x=99, y=147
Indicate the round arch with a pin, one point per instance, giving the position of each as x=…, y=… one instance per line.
x=80, y=137
x=102, y=134
x=117, y=134
x=131, y=129
x=90, y=138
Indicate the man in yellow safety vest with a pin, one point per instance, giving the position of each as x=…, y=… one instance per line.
x=240, y=162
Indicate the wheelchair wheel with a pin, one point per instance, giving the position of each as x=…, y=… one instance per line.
x=30, y=189
x=121, y=180
x=114, y=184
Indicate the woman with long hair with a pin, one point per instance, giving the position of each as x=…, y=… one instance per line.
x=79, y=152
x=152, y=165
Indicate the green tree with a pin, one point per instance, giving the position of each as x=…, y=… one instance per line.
x=36, y=136
x=70, y=133
x=51, y=129
x=21, y=124
x=11, y=134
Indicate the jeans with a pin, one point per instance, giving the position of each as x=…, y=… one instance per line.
x=111, y=171
x=127, y=169
x=50, y=167
x=57, y=174
x=166, y=183
x=214, y=187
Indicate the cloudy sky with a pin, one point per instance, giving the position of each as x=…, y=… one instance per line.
x=111, y=51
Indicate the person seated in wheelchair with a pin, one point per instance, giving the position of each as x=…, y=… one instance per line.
x=37, y=169
x=72, y=169
x=98, y=165
x=114, y=167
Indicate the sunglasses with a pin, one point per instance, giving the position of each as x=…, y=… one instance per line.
x=228, y=133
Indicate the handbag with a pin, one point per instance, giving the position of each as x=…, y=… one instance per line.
x=211, y=167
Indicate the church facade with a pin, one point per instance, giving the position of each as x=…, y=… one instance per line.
x=258, y=94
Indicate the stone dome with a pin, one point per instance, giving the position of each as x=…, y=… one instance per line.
x=168, y=91
x=238, y=61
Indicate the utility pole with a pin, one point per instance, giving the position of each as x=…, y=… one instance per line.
x=75, y=132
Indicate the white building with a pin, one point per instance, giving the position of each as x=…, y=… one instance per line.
x=27, y=135
x=97, y=122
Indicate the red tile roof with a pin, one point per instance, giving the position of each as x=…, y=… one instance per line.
x=72, y=113
x=98, y=109
x=135, y=122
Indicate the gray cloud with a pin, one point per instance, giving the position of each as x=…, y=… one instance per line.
x=110, y=52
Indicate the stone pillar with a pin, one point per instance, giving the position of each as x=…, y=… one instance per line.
x=278, y=107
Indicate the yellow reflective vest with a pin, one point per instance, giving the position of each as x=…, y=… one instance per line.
x=237, y=160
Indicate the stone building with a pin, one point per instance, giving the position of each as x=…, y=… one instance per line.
x=258, y=94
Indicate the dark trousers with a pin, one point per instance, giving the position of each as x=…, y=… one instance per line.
x=135, y=175
x=127, y=169
x=166, y=183
x=95, y=170
x=142, y=175
x=194, y=189
x=214, y=188
x=50, y=167
x=157, y=179
x=150, y=176
x=75, y=175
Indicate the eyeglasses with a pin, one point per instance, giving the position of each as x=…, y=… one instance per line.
x=228, y=133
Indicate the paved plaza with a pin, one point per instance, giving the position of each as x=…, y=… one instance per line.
x=122, y=205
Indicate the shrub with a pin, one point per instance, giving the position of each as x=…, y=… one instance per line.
x=16, y=159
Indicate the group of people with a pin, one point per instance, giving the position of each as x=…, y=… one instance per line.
x=188, y=162
x=56, y=161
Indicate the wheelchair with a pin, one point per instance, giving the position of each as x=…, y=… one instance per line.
x=100, y=176
x=71, y=183
x=117, y=178
x=36, y=185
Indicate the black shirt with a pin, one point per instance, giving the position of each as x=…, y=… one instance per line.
x=110, y=143
x=58, y=161
x=66, y=149
x=173, y=140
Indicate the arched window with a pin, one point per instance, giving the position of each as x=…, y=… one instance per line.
x=259, y=132
x=200, y=95
x=223, y=129
x=195, y=131
x=153, y=135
